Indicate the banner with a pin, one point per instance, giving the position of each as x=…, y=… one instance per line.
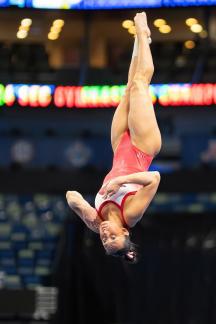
x=104, y=96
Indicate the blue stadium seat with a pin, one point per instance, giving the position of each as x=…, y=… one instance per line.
x=44, y=254
x=44, y=257
x=13, y=282
x=7, y=262
x=3, y=216
x=42, y=271
x=46, y=262
x=5, y=231
x=9, y=269
x=7, y=253
x=31, y=281
x=35, y=245
x=25, y=270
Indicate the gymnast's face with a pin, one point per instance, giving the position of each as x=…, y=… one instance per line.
x=112, y=236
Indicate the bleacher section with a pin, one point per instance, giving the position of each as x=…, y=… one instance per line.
x=30, y=228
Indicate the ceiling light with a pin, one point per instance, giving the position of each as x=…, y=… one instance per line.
x=22, y=34
x=127, y=24
x=26, y=22
x=159, y=22
x=59, y=23
x=26, y=28
x=53, y=36
x=189, y=44
x=132, y=30
x=191, y=21
x=165, y=29
x=55, y=29
x=196, y=28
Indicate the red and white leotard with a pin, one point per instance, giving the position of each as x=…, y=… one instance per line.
x=127, y=159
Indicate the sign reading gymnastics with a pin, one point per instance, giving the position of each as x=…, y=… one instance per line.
x=104, y=96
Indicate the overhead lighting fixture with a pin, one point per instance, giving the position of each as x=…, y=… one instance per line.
x=196, y=28
x=58, y=23
x=26, y=28
x=53, y=36
x=132, y=30
x=189, y=44
x=55, y=29
x=159, y=22
x=127, y=24
x=165, y=29
x=21, y=34
x=191, y=21
x=26, y=22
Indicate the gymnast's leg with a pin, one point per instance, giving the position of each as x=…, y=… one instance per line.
x=144, y=130
x=120, y=118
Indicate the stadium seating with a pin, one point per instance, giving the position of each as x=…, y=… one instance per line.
x=30, y=227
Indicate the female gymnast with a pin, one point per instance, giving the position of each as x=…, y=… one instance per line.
x=129, y=187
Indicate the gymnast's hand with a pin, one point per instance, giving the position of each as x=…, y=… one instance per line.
x=110, y=188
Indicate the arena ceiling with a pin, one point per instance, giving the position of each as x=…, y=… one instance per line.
x=107, y=24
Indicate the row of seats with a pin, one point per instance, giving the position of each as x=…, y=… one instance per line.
x=190, y=203
x=21, y=215
x=25, y=263
x=29, y=232
x=30, y=227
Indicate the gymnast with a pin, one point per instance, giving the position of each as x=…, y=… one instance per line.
x=129, y=187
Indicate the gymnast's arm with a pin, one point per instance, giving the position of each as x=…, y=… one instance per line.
x=143, y=178
x=143, y=197
x=141, y=200
x=84, y=210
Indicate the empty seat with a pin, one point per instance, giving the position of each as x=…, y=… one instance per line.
x=25, y=270
x=52, y=230
x=7, y=262
x=13, y=209
x=42, y=270
x=44, y=262
x=28, y=236
x=31, y=281
x=5, y=245
x=35, y=245
x=3, y=216
x=28, y=254
x=13, y=282
x=19, y=237
x=5, y=231
x=9, y=269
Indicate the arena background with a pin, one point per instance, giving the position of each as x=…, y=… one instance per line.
x=63, y=69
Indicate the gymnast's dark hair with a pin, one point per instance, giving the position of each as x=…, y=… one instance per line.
x=129, y=252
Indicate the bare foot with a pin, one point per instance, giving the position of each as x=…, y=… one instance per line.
x=141, y=24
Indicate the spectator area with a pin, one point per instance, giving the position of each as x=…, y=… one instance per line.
x=30, y=228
